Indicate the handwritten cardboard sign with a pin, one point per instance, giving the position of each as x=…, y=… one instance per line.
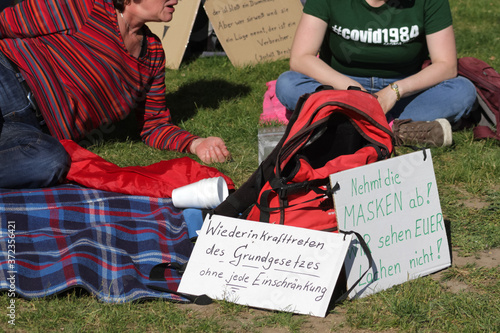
x=175, y=34
x=252, y=31
x=265, y=265
x=395, y=205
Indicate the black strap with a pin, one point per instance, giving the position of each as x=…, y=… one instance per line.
x=198, y=300
x=285, y=190
x=158, y=274
x=365, y=248
x=268, y=209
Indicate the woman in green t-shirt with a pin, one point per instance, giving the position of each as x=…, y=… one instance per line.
x=380, y=46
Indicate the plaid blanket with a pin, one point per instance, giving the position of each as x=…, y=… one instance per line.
x=65, y=237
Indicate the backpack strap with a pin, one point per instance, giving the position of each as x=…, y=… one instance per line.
x=284, y=190
x=365, y=248
x=240, y=201
x=158, y=274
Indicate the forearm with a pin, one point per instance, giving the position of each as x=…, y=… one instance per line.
x=157, y=130
x=168, y=137
x=427, y=77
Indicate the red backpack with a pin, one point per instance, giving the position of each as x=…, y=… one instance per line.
x=487, y=83
x=329, y=131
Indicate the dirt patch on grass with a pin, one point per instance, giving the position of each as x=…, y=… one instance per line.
x=469, y=201
x=475, y=203
x=487, y=259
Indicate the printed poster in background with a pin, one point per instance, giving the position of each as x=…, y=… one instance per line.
x=268, y=266
x=174, y=35
x=253, y=31
x=394, y=204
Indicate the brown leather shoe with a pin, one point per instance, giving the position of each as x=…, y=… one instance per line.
x=435, y=133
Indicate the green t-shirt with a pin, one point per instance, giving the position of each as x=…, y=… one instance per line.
x=387, y=41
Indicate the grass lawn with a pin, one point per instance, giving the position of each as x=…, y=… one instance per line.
x=208, y=96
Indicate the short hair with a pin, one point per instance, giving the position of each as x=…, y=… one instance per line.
x=120, y=4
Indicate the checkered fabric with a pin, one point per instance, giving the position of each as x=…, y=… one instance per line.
x=56, y=239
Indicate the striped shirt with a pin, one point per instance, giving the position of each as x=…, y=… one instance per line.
x=72, y=56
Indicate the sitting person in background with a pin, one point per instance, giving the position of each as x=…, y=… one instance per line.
x=380, y=47
x=68, y=67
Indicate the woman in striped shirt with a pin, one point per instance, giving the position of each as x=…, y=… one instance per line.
x=69, y=68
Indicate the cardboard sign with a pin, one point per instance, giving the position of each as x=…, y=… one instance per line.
x=395, y=205
x=265, y=265
x=175, y=34
x=252, y=31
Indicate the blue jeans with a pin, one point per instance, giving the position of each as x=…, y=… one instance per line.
x=451, y=99
x=29, y=158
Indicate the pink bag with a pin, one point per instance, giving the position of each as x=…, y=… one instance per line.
x=272, y=109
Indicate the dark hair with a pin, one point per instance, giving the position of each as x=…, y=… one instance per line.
x=120, y=4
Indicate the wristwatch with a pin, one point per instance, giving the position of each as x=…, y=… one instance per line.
x=395, y=87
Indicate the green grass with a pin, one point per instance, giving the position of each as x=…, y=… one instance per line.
x=423, y=305
x=209, y=96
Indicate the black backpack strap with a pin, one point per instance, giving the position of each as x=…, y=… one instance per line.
x=158, y=274
x=198, y=300
x=365, y=248
x=242, y=199
x=284, y=190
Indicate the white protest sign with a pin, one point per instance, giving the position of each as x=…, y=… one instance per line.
x=252, y=31
x=265, y=265
x=394, y=204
